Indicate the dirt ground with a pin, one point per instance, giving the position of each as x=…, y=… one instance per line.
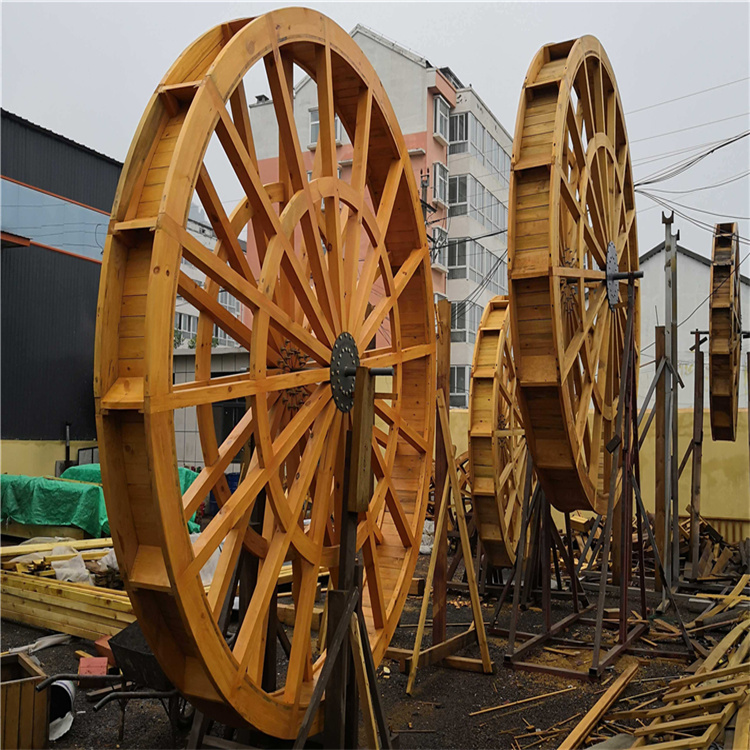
x=435, y=716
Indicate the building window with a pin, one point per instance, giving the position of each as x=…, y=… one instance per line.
x=440, y=183
x=229, y=302
x=465, y=317
x=457, y=196
x=459, y=386
x=185, y=328
x=459, y=133
x=457, y=258
x=440, y=246
x=466, y=195
x=315, y=127
x=441, y=118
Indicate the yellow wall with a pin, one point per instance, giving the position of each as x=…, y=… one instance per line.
x=725, y=487
x=36, y=458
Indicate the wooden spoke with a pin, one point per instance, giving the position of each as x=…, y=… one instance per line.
x=289, y=141
x=497, y=443
x=570, y=341
x=222, y=226
x=725, y=333
x=238, y=386
x=249, y=294
x=328, y=249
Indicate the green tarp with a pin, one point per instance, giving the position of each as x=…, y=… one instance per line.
x=44, y=501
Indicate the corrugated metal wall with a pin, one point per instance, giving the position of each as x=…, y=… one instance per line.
x=42, y=159
x=48, y=316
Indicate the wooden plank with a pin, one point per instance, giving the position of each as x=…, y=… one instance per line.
x=585, y=726
x=11, y=716
x=742, y=725
x=27, y=549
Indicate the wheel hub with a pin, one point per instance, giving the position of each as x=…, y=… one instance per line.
x=613, y=284
x=343, y=355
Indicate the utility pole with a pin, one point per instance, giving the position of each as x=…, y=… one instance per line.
x=671, y=428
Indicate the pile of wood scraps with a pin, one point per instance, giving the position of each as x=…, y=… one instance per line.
x=719, y=560
x=698, y=709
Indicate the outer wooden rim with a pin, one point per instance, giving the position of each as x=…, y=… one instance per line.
x=725, y=333
x=298, y=461
x=497, y=443
x=571, y=193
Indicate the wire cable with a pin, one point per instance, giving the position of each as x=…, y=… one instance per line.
x=690, y=127
x=687, y=96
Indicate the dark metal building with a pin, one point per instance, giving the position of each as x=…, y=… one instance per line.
x=56, y=198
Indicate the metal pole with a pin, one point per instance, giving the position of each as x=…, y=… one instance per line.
x=695, y=489
x=670, y=277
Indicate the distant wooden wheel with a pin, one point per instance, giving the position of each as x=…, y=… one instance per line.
x=497, y=444
x=725, y=333
x=571, y=217
x=326, y=248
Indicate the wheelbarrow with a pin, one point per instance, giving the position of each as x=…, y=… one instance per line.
x=141, y=678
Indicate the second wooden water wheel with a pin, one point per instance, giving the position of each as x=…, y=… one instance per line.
x=725, y=333
x=571, y=226
x=497, y=443
x=326, y=245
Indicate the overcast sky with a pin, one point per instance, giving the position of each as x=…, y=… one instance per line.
x=87, y=70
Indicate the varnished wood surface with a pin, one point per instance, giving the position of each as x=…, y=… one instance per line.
x=497, y=442
x=725, y=333
x=334, y=255
x=571, y=194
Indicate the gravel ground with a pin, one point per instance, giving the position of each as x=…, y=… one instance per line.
x=441, y=702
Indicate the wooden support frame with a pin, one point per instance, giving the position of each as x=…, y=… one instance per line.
x=476, y=632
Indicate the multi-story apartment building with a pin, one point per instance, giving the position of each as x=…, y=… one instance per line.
x=475, y=234
x=460, y=157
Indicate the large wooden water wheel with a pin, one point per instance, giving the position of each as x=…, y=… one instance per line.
x=725, y=333
x=497, y=443
x=326, y=247
x=571, y=226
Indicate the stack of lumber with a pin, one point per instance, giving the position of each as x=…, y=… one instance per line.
x=711, y=705
x=32, y=596
x=77, y=609
x=89, y=549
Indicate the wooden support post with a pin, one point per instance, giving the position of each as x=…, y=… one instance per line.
x=695, y=489
x=452, y=490
x=660, y=457
x=439, y=595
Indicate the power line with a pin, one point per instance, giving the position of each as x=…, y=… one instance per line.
x=687, y=96
x=700, y=210
x=674, y=170
x=666, y=154
x=706, y=187
x=691, y=127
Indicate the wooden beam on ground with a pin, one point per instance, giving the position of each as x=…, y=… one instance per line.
x=586, y=725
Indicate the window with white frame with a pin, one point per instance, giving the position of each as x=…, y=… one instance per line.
x=465, y=317
x=440, y=183
x=460, y=378
x=185, y=325
x=457, y=190
x=315, y=127
x=459, y=133
x=441, y=118
x=440, y=246
x=457, y=257
x=466, y=195
x=229, y=302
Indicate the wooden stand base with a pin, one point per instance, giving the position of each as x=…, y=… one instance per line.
x=444, y=652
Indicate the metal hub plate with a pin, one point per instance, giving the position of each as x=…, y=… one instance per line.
x=343, y=355
x=613, y=285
